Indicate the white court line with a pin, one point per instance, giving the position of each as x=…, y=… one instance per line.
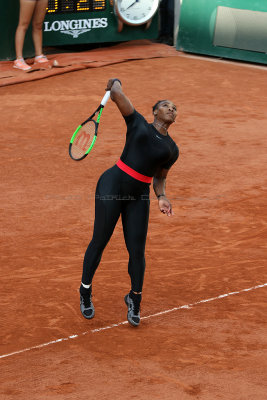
x=186, y=306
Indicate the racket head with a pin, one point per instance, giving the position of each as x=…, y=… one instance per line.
x=83, y=140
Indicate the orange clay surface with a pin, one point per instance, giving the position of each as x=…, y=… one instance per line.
x=185, y=347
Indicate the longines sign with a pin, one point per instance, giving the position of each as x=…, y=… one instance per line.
x=75, y=27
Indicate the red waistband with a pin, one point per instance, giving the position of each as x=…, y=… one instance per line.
x=134, y=174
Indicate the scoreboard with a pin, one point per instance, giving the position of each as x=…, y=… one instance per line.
x=75, y=6
x=70, y=22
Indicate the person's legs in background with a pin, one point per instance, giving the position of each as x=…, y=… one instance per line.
x=26, y=12
x=37, y=30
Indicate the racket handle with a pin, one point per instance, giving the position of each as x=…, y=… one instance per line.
x=105, y=98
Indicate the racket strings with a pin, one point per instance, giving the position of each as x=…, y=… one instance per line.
x=83, y=140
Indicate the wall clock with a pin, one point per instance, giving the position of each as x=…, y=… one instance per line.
x=135, y=12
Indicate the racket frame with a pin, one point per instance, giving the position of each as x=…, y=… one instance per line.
x=99, y=110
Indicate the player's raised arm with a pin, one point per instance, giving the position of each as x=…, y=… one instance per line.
x=117, y=95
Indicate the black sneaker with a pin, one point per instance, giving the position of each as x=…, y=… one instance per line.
x=86, y=304
x=133, y=303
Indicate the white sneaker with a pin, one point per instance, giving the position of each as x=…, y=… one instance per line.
x=40, y=59
x=19, y=63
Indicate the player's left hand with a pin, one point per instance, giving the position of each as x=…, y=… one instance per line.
x=165, y=206
x=110, y=83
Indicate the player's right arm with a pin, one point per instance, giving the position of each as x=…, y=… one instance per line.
x=159, y=185
x=116, y=94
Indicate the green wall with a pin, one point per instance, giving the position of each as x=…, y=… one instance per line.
x=197, y=27
x=9, y=17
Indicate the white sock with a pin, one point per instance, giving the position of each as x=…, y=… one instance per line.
x=86, y=286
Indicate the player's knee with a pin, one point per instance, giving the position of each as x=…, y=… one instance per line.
x=137, y=255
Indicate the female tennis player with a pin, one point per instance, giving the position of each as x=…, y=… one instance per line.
x=148, y=154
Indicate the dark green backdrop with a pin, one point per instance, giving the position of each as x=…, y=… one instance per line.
x=240, y=29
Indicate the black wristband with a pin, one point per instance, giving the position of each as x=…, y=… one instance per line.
x=116, y=79
x=160, y=195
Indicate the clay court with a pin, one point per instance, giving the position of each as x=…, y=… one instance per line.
x=203, y=328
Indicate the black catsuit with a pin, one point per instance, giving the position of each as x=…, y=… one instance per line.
x=117, y=193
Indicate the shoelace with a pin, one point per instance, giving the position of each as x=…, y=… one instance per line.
x=136, y=306
x=87, y=302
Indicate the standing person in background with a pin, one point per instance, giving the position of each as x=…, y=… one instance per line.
x=123, y=189
x=30, y=10
x=166, y=31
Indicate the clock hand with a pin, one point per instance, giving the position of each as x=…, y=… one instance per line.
x=136, y=1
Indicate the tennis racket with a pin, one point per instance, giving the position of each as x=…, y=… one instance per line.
x=84, y=137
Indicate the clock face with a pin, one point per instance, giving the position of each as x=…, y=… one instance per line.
x=135, y=12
